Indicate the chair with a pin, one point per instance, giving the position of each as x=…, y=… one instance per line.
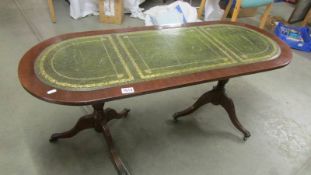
x=52, y=11
x=307, y=18
x=249, y=4
x=201, y=9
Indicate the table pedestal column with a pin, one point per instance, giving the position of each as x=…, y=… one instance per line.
x=216, y=96
x=98, y=120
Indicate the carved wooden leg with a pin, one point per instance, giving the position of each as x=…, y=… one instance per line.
x=216, y=96
x=98, y=120
x=113, y=114
x=103, y=117
x=99, y=116
x=208, y=97
x=228, y=104
x=122, y=170
x=84, y=122
x=204, y=99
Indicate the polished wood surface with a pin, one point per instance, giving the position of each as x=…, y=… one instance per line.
x=34, y=86
x=99, y=119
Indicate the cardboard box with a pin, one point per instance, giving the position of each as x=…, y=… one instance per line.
x=247, y=12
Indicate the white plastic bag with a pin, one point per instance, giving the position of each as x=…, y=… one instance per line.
x=82, y=8
x=177, y=12
x=212, y=10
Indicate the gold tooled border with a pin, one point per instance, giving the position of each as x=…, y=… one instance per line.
x=46, y=78
x=140, y=71
x=276, y=48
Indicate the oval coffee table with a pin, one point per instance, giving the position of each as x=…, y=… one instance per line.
x=94, y=67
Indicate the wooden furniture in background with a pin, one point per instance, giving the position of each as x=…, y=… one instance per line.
x=52, y=10
x=201, y=9
x=307, y=19
x=118, y=12
x=116, y=19
x=247, y=4
x=300, y=12
x=244, y=12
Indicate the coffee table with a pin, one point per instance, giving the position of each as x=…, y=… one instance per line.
x=95, y=67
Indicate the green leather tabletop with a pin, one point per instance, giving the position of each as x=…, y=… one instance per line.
x=101, y=61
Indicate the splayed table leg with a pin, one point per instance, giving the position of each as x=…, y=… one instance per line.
x=216, y=96
x=98, y=120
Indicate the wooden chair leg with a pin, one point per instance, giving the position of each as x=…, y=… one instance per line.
x=227, y=10
x=201, y=9
x=265, y=16
x=52, y=11
x=236, y=11
x=101, y=10
x=307, y=19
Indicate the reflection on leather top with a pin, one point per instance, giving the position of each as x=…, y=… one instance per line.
x=101, y=61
